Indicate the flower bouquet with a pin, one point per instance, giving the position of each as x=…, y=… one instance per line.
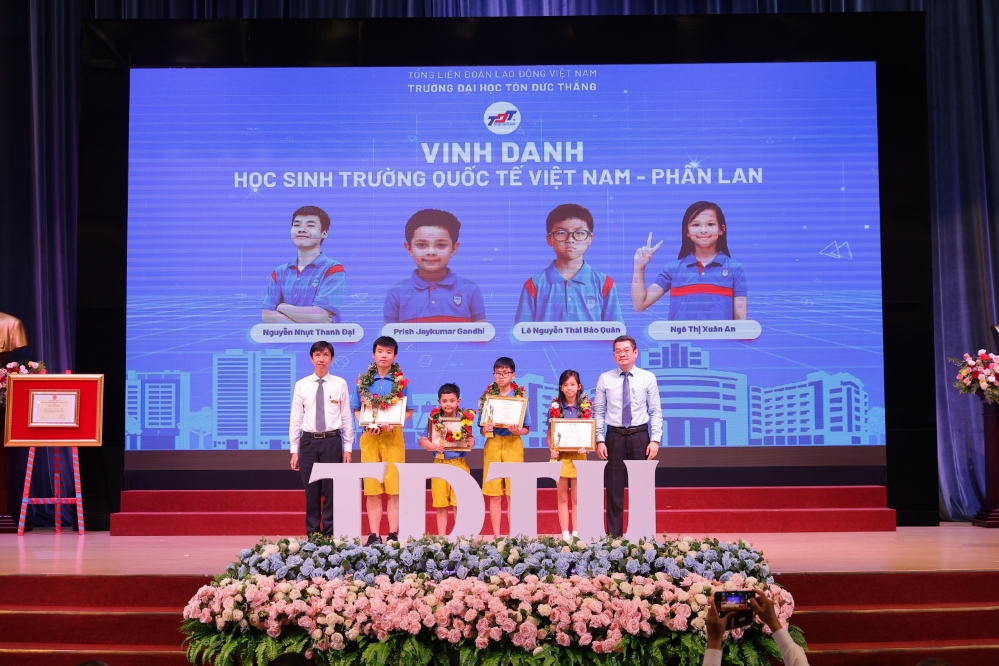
x=513, y=601
x=15, y=368
x=978, y=374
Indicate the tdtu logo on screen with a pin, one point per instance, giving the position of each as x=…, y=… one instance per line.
x=501, y=118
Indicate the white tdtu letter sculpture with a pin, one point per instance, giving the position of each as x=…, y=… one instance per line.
x=469, y=514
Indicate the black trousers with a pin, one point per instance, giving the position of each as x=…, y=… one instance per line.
x=620, y=448
x=311, y=451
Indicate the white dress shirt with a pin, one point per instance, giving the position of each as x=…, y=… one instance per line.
x=646, y=406
x=790, y=652
x=338, y=414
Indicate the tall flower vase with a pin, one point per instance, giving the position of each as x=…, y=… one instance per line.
x=988, y=515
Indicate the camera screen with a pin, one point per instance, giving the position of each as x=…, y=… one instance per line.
x=734, y=601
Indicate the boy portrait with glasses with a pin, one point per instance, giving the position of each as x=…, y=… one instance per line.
x=569, y=289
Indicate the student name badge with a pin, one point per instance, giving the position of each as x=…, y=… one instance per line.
x=705, y=329
x=473, y=331
x=557, y=331
x=307, y=333
x=573, y=434
x=452, y=424
x=506, y=410
x=394, y=414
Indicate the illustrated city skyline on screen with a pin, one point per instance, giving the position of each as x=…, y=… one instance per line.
x=473, y=213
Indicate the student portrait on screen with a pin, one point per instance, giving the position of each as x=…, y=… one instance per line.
x=703, y=282
x=569, y=289
x=310, y=288
x=433, y=292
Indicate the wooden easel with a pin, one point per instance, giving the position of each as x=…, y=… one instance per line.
x=26, y=498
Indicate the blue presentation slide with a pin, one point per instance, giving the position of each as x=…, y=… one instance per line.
x=726, y=216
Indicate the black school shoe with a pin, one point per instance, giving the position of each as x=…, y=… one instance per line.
x=373, y=539
x=392, y=536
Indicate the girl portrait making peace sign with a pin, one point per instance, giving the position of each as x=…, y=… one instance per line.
x=704, y=282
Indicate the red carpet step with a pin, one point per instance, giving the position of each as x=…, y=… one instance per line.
x=679, y=510
x=897, y=619
x=66, y=620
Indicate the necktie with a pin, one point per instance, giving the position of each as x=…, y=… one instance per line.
x=626, y=401
x=320, y=408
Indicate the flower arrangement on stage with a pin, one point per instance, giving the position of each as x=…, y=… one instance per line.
x=979, y=374
x=467, y=417
x=512, y=601
x=15, y=368
x=380, y=402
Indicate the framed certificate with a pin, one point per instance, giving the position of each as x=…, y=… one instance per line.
x=454, y=425
x=54, y=409
x=503, y=410
x=394, y=414
x=573, y=434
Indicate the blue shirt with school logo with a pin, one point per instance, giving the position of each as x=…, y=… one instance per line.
x=452, y=299
x=320, y=283
x=380, y=386
x=697, y=291
x=588, y=296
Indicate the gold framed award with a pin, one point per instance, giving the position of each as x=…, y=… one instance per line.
x=504, y=410
x=572, y=434
x=394, y=414
x=452, y=425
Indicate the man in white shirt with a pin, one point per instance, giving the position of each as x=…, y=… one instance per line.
x=321, y=431
x=790, y=652
x=629, y=424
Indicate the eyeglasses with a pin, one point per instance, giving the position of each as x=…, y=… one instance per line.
x=502, y=373
x=622, y=352
x=578, y=235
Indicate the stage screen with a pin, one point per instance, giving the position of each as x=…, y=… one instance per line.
x=473, y=213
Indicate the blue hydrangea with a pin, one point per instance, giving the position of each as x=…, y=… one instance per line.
x=242, y=571
x=645, y=569
x=690, y=560
x=631, y=566
x=519, y=569
x=245, y=553
x=649, y=556
x=616, y=554
x=406, y=557
x=293, y=561
x=335, y=559
x=710, y=556
x=715, y=566
x=462, y=572
x=492, y=571
x=325, y=550
x=281, y=573
x=455, y=555
x=418, y=553
x=308, y=547
x=660, y=562
x=307, y=568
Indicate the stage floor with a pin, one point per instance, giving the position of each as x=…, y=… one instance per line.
x=950, y=547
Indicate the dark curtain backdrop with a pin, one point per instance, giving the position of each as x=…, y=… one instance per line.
x=39, y=78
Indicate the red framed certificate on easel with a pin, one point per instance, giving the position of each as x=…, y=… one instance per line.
x=56, y=411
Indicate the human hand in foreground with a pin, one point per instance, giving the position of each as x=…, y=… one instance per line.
x=715, y=625
x=763, y=606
